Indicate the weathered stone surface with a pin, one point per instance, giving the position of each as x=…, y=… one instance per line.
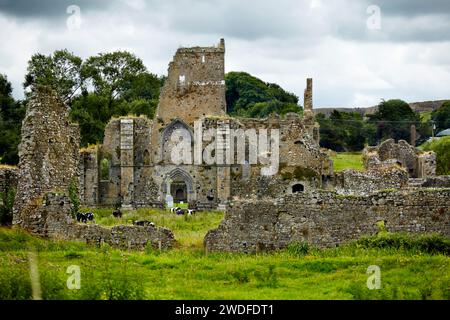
x=327, y=219
x=138, y=150
x=48, y=152
x=352, y=182
x=417, y=163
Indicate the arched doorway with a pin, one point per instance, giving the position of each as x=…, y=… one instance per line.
x=179, y=184
x=178, y=190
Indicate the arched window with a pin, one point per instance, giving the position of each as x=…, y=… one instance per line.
x=167, y=143
x=104, y=169
x=296, y=188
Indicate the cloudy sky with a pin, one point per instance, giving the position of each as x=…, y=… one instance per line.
x=357, y=51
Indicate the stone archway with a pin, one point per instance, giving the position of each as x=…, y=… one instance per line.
x=180, y=185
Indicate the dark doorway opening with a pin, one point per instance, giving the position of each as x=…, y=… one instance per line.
x=178, y=190
x=296, y=188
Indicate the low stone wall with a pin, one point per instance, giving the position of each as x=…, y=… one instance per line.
x=50, y=217
x=354, y=182
x=327, y=219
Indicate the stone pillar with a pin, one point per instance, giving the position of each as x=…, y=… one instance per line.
x=308, y=114
x=223, y=159
x=126, y=162
x=413, y=135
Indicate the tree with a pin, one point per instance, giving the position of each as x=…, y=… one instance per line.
x=11, y=115
x=112, y=74
x=442, y=148
x=441, y=116
x=248, y=96
x=61, y=71
x=393, y=119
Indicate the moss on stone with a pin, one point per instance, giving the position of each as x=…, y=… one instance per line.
x=302, y=173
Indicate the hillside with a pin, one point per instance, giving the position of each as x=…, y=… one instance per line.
x=424, y=106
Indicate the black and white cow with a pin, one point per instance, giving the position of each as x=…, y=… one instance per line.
x=84, y=217
x=117, y=213
x=143, y=223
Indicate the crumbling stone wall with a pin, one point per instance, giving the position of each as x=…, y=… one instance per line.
x=328, y=219
x=352, y=182
x=417, y=163
x=49, y=163
x=48, y=152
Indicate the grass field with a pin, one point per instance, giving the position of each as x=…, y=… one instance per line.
x=347, y=160
x=188, y=272
x=189, y=230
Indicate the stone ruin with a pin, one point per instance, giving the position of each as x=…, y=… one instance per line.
x=49, y=163
x=136, y=151
x=418, y=164
x=303, y=201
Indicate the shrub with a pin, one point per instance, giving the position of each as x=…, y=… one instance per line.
x=427, y=243
x=442, y=148
x=299, y=249
x=6, y=206
x=74, y=197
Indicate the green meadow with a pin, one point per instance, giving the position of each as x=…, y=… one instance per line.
x=411, y=267
x=347, y=160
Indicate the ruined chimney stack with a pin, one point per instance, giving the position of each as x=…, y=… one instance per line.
x=308, y=114
x=308, y=104
x=222, y=44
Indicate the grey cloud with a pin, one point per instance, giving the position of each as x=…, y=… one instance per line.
x=47, y=9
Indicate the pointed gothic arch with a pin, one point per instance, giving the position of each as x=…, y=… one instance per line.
x=165, y=142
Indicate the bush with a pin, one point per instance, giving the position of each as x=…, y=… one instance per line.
x=299, y=249
x=6, y=206
x=74, y=197
x=442, y=148
x=427, y=243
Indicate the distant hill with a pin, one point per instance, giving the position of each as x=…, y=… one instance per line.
x=424, y=106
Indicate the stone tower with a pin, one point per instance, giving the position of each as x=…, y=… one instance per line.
x=195, y=85
x=49, y=156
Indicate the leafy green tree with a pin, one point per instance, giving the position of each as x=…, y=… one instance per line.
x=343, y=131
x=393, y=119
x=441, y=116
x=248, y=96
x=112, y=74
x=442, y=148
x=60, y=70
x=11, y=115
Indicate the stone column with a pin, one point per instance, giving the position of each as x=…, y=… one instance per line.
x=126, y=162
x=308, y=114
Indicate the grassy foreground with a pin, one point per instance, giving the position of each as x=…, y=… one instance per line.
x=347, y=160
x=411, y=268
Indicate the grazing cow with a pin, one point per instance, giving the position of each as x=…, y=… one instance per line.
x=117, y=213
x=143, y=223
x=85, y=217
x=90, y=216
x=191, y=212
x=81, y=217
x=174, y=209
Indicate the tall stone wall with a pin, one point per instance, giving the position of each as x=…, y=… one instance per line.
x=327, y=219
x=48, y=152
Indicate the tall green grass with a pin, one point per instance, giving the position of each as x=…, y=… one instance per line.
x=409, y=270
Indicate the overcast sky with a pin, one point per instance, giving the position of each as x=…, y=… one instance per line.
x=355, y=58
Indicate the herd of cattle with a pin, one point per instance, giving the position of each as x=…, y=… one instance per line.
x=84, y=217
